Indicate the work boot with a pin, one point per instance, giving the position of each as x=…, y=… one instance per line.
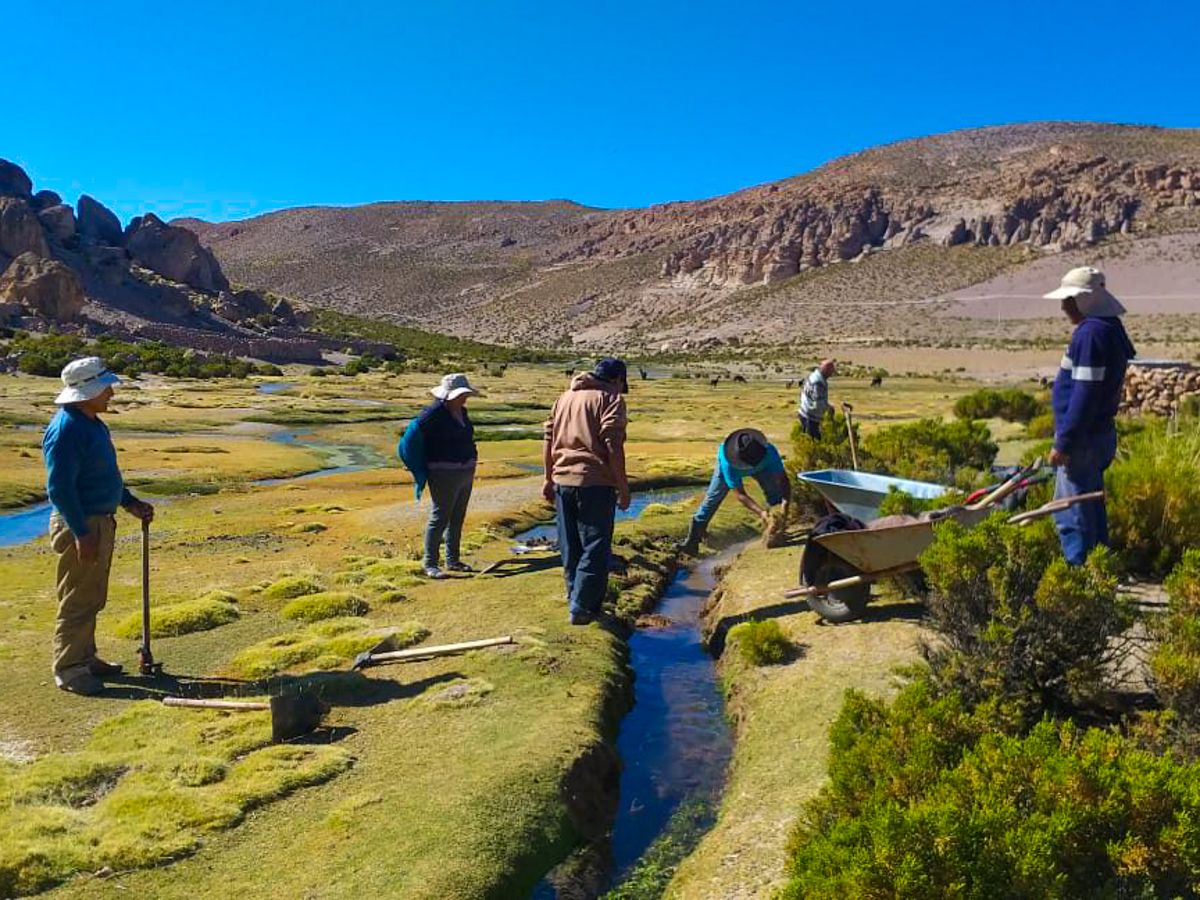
x=102, y=669
x=695, y=535
x=83, y=683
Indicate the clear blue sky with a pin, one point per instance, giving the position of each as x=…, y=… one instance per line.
x=227, y=109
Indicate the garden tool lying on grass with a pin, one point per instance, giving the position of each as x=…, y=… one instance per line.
x=292, y=715
x=370, y=657
x=146, y=663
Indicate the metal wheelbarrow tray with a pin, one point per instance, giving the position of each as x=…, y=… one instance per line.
x=859, y=494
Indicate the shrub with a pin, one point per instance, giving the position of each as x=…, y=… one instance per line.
x=926, y=799
x=931, y=450
x=1154, y=497
x=897, y=502
x=1010, y=404
x=831, y=451
x=761, y=643
x=1175, y=662
x=1015, y=621
x=325, y=605
x=1040, y=427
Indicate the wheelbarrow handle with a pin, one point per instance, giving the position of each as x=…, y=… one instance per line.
x=1054, y=506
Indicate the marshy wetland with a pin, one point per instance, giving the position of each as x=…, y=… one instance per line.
x=286, y=544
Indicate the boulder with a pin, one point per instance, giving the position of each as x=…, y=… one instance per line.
x=13, y=180
x=59, y=221
x=46, y=199
x=98, y=223
x=20, y=230
x=45, y=287
x=240, y=305
x=173, y=252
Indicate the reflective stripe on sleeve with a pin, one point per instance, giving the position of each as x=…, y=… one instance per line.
x=1088, y=373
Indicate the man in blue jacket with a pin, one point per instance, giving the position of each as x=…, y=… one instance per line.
x=1086, y=395
x=85, y=489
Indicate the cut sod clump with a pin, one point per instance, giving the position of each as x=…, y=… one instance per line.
x=147, y=787
x=324, y=605
x=324, y=645
x=468, y=692
x=761, y=643
x=290, y=587
x=309, y=528
x=206, y=612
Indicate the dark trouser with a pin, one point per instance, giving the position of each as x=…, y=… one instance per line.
x=585, y=530
x=1084, y=525
x=449, y=493
x=718, y=490
x=811, y=427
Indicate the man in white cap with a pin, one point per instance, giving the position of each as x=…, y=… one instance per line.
x=85, y=488
x=746, y=453
x=814, y=398
x=1086, y=394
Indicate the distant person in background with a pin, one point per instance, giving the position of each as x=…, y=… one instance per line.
x=814, y=398
x=746, y=453
x=1086, y=394
x=438, y=447
x=85, y=489
x=584, y=457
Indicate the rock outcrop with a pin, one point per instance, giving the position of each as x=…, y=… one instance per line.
x=1159, y=388
x=13, y=180
x=97, y=223
x=59, y=222
x=174, y=253
x=20, y=230
x=44, y=287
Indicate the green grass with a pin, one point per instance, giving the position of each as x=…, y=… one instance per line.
x=200, y=614
x=761, y=643
x=291, y=586
x=324, y=605
x=323, y=645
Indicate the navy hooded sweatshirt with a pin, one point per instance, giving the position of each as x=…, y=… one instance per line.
x=1087, y=390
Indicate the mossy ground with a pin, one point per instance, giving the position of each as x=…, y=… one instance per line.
x=454, y=797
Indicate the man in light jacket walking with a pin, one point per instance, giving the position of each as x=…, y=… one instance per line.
x=584, y=458
x=814, y=398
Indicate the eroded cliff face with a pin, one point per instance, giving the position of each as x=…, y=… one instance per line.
x=770, y=233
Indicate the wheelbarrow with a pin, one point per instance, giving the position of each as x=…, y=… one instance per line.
x=838, y=585
x=859, y=494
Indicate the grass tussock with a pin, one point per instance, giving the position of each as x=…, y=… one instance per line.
x=148, y=787
x=212, y=610
x=290, y=587
x=324, y=605
x=323, y=645
x=761, y=643
x=460, y=694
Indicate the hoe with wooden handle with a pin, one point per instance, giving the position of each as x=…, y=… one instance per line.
x=292, y=715
x=369, y=658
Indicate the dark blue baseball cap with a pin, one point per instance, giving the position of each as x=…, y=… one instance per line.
x=612, y=369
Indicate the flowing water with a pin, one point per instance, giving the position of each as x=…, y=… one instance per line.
x=24, y=525
x=675, y=744
x=638, y=501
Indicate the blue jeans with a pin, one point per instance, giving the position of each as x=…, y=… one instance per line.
x=717, y=490
x=585, y=530
x=449, y=494
x=1084, y=525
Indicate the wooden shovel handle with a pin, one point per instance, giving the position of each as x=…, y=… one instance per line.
x=237, y=705
x=1054, y=506
x=442, y=650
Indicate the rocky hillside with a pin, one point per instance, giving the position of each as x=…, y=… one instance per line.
x=79, y=269
x=931, y=216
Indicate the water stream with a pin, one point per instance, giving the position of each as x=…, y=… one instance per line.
x=675, y=744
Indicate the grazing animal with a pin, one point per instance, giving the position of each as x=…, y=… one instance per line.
x=712, y=382
x=570, y=373
x=1044, y=381
x=877, y=381
x=643, y=373
x=740, y=378
x=791, y=383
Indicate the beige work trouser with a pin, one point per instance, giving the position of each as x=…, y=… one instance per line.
x=82, y=593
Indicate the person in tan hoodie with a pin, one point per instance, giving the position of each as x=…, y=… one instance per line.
x=584, y=456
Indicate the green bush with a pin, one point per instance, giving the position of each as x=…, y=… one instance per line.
x=761, y=643
x=897, y=502
x=1040, y=427
x=1175, y=662
x=46, y=355
x=1010, y=404
x=325, y=605
x=930, y=450
x=1014, y=621
x=1153, y=497
x=926, y=799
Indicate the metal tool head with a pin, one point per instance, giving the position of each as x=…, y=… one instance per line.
x=146, y=664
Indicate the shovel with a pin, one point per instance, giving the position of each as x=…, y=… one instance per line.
x=848, y=410
x=146, y=663
x=292, y=715
x=370, y=658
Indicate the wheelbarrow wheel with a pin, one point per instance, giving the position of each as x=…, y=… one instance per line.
x=841, y=605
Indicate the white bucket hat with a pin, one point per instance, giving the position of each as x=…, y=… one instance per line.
x=84, y=379
x=1086, y=285
x=454, y=386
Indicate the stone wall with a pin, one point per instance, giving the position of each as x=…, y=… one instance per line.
x=268, y=349
x=1158, y=387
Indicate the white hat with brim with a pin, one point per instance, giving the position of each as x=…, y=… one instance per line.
x=732, y=453
x=1086, y=285
x=84, y=379
x=453, y=386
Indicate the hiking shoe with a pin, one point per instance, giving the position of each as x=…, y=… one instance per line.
x=582, y=618
x=84, y=684
x=434, y=573
x=459, y=567
x=102, y=669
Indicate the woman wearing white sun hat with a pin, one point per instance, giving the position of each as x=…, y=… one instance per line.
x=438, y=447
x=85, y=489
x=1086, y=395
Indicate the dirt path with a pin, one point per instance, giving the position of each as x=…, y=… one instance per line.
x=782, y=715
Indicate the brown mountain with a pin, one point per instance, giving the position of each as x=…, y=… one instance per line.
x=832, y=253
